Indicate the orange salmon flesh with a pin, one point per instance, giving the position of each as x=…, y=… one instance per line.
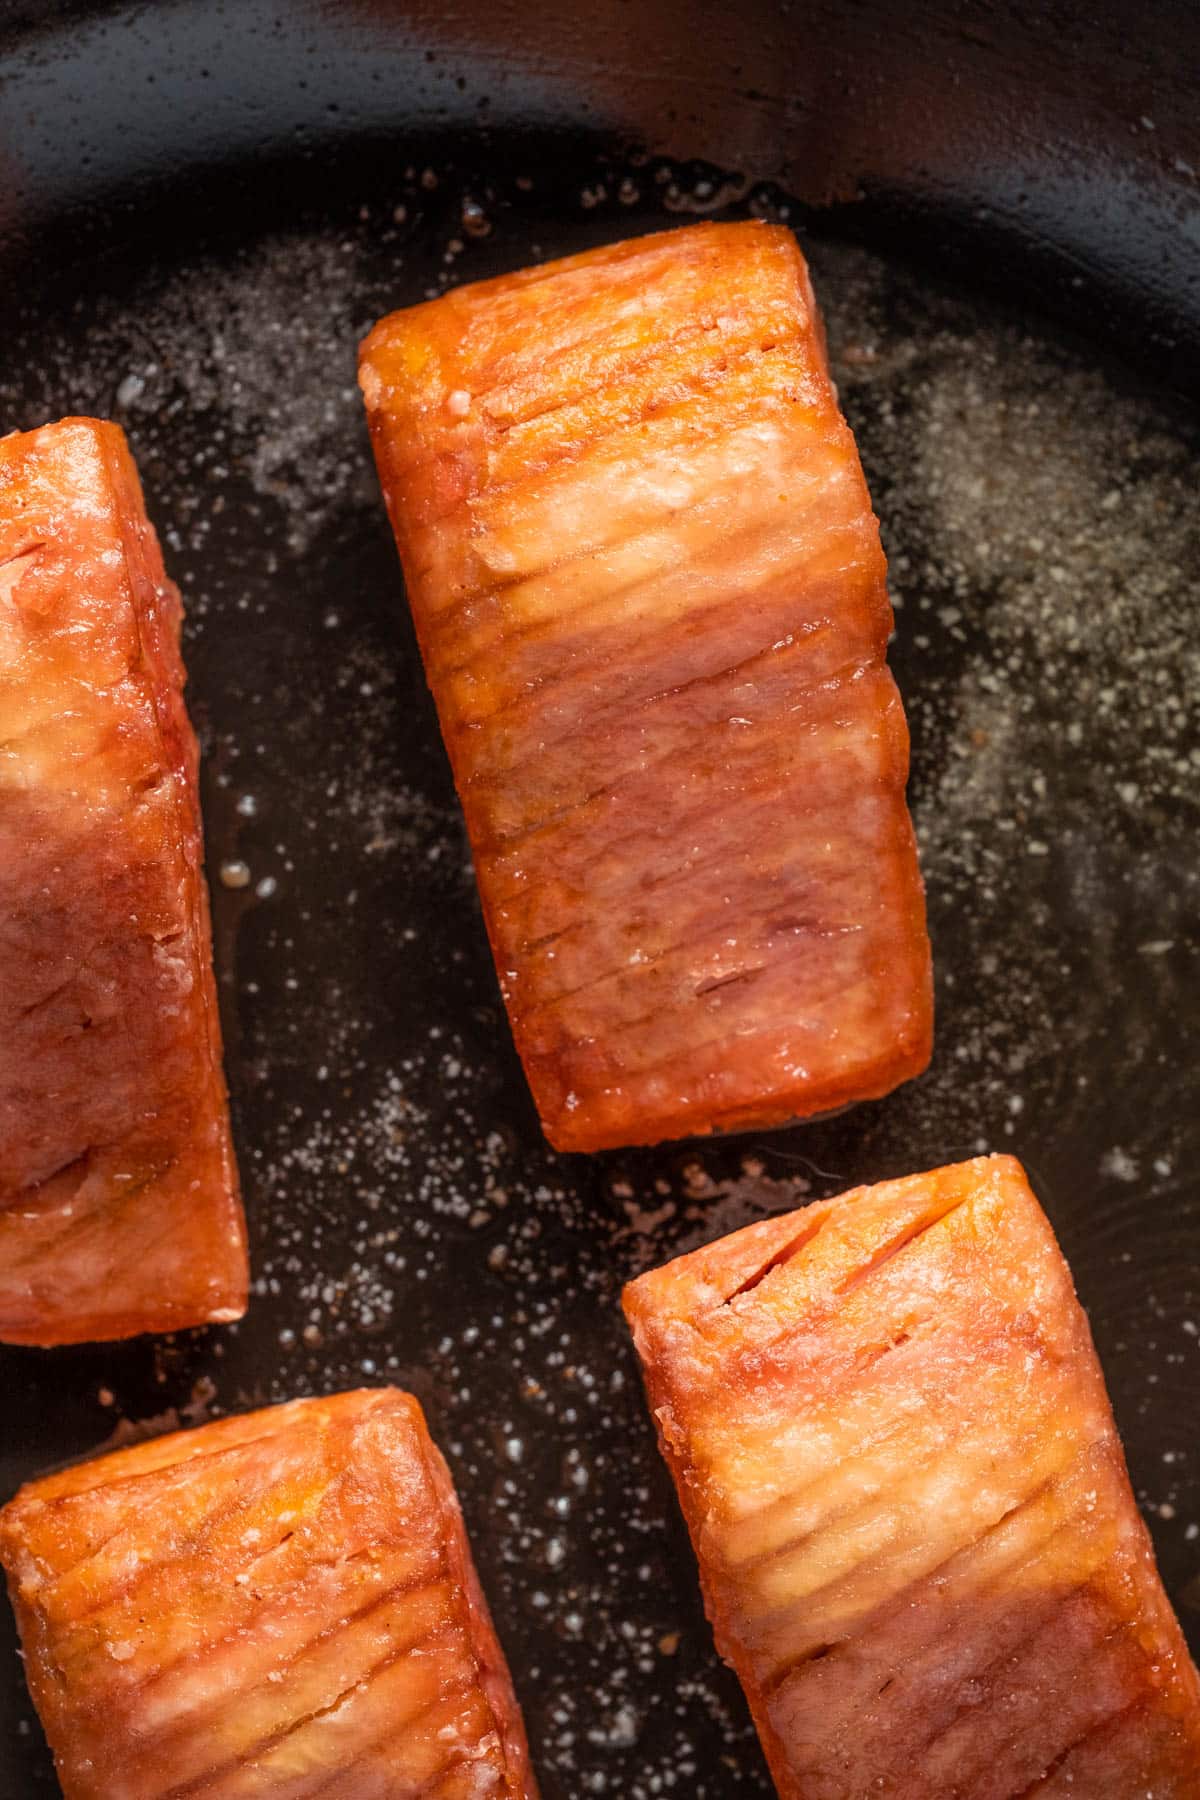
x=650, y=596
x=279, y=1604
x=119, y=1202
x=917, y=1541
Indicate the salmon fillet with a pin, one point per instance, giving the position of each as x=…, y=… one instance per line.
x=119, y=1205
x=650, y=597
x=279, y=1604
x=916, y=1536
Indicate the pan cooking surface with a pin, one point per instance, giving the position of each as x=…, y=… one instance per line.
x=408, y=1222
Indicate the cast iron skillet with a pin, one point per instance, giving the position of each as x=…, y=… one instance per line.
x=202, y=207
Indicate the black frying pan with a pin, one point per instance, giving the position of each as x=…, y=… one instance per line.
x=202, y=207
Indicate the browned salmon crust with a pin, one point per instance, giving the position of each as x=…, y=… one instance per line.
x=119, y=1204
x=281, y=1604
x=651, y=600
x=917, y=1540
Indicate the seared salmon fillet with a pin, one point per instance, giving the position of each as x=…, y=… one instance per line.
x=650, y=597
x=119, y=1203
x=917, y=1541
x=279, y=1604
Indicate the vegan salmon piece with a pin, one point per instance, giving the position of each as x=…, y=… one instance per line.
x=917, y=1540
x=119, y=1205
x=279, y=1604
x=650, y=596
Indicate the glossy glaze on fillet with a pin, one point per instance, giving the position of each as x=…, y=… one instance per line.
x=650, y=597
x=917, y=1539
x=279, y=1605
x=119, y=1207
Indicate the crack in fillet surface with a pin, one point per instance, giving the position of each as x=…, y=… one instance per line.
x=791, y=1249
x=910, y=1235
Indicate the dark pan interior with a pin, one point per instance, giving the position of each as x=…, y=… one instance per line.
x=1037, y=490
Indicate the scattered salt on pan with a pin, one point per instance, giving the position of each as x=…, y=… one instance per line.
x=396, y=1207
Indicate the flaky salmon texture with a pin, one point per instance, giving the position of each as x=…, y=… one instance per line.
x=119, y=1204
x=917, y=1540
x=650, y=596
x=282, y=1604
